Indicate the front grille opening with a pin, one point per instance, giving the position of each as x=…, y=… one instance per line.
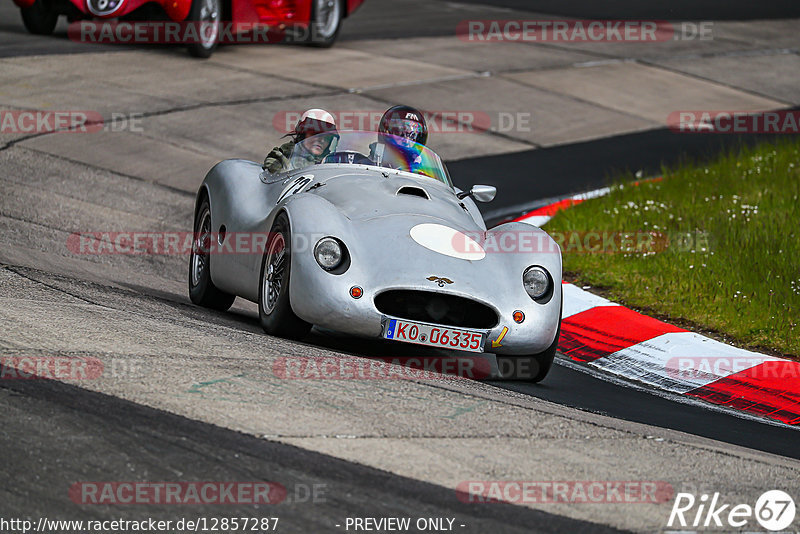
x=436, y=308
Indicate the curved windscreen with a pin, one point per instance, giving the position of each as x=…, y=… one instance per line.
x=369, y=148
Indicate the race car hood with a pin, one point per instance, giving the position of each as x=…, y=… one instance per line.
x=398, y=223
x=372, y=195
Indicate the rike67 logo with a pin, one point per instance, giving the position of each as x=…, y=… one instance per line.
x=774, y=510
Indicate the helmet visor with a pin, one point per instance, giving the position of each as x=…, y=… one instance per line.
x=317, y=146
x=309, y=127
x=408, y=129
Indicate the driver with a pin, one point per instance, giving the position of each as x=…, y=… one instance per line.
x=402, y=133
x=306, y=147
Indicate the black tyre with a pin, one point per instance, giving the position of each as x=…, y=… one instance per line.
x=207, y=15
x=202, y=290
x=40, y=18
x=326, y=21
x=274, y=308
x=533, y=368
x=528, y=368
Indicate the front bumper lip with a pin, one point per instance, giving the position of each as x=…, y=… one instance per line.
x=323, y=299
x=335, y=310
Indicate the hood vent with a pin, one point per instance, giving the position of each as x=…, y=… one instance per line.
x=413, y=191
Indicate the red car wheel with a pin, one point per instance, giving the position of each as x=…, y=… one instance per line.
x=40, y=18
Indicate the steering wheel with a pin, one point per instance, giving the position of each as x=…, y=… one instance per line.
x=348, y=156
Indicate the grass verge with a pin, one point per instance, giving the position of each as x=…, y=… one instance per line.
x=725, y=249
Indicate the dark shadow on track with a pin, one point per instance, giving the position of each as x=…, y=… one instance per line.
x=55, y=435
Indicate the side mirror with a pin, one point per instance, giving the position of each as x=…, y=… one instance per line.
x=481, y=193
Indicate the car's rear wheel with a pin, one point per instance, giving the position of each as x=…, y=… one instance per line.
x=326, y=21
x=202, y=290
x=206, y=14
x=40, y=18
x=274, y=307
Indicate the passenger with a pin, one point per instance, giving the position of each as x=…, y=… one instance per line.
x=402, y=134
x=302, y=152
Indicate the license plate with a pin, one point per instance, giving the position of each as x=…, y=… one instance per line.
x=434, y=336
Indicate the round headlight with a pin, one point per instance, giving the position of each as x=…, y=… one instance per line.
x=536, y=282
x=328, y=253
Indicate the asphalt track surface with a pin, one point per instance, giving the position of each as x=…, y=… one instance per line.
x=568, y=386
x=65, y=433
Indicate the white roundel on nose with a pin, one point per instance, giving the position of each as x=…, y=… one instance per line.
x=447, y=241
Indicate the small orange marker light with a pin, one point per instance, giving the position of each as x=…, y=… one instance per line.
x=356, y=292
x=518, y=316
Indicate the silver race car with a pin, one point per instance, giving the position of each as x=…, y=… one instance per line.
x=368, y=240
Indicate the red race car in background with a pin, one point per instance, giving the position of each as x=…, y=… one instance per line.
x=313, y=22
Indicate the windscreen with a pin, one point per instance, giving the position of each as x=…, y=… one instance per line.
x=368, y=148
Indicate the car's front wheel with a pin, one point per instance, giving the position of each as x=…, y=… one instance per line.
x=40, y=18
x=202, y=290
x=274, y=308
x=532, y=368
x=206, y=14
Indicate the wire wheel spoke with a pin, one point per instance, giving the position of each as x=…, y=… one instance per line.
x=274, y=268
x=200, y=248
